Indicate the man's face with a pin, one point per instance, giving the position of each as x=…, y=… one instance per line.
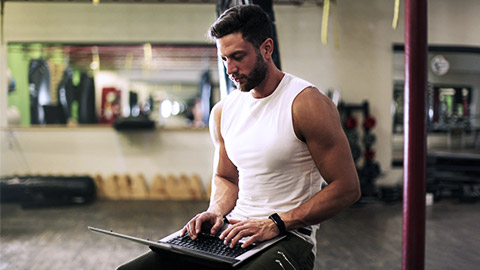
x=244, y=63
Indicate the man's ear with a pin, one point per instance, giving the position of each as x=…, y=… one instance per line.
x=267, y=48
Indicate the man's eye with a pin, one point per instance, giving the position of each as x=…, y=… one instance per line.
x=238, y=57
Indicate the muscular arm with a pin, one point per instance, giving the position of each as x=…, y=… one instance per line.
x=224, y=187
x=317, y=123
x=225, y=179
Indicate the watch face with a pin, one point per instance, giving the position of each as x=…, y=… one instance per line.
x=440, y=65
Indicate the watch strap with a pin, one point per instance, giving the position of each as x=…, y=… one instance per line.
x=279, y=222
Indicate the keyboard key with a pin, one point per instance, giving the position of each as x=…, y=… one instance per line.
x=210, y=244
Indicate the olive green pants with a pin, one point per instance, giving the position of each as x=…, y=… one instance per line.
x=291, y=252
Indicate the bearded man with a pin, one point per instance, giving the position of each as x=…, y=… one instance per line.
x=277, y=139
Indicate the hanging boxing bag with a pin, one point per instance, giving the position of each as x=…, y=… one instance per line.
x=87, y=111
x=39, y=88
x=66, y=93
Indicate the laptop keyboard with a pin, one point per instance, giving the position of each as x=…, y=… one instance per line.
x=209, y=243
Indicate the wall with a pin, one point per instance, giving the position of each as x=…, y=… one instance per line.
x=361, y=67
x=84, y=22
x=102, y=150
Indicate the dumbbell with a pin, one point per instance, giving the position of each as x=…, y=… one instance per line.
x=351, y=123
x=369, y=139
x=369, y=122
x=370, y=170
x=352, y=136
x=369, y=154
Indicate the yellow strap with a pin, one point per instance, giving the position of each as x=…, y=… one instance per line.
x=326, y=9
x=129, y=61
x=95, y=66
x=395, y=14
x=147, y=56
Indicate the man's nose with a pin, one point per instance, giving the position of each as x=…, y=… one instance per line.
x=231, y=67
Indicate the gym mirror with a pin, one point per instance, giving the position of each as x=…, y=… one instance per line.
x=95, y=84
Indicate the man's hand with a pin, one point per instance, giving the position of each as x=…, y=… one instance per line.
x=258, y=229
x=203, y=221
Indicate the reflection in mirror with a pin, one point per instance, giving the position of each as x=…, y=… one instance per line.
x=448, y=106
x=452, y=100
x=453, y=91
x=71, y=84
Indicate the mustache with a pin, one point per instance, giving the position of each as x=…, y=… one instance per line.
x=236, y=76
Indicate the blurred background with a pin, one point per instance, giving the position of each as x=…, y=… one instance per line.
x=107, y=102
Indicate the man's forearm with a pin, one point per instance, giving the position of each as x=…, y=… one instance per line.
x=223, y=197
x=322, y=206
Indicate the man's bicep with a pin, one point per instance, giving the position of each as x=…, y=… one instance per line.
x=225, y=176
x=334, y=161
x=224, y=184
x=222, y=165
x=225, y=167
x=319, y=124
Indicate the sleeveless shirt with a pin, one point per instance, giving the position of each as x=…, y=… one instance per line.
x=276, y=170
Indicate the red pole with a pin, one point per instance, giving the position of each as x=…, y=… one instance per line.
x=413, y=229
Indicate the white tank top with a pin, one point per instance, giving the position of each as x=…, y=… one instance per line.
x=276, y=170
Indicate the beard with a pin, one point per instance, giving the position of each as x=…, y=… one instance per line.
x=255, y=77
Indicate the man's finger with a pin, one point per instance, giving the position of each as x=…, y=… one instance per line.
x=234, y=221
x=203, y=222
x=233, y=232
x=218, y=224
x=191, y=229
x=241, y=234
x=225, y=232
x=250, y=241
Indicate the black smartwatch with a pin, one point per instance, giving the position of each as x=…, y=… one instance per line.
x=225, y=220
x=279, y=222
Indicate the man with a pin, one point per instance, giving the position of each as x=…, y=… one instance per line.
x=276, y=139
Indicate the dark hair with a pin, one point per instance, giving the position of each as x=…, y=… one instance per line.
x=249, y=20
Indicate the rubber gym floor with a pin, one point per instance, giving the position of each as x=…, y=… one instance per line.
x=365, y=236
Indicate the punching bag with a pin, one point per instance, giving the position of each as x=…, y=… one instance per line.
x=39, y=88
x=86, y=101
x=66, y=93
x=206, y=96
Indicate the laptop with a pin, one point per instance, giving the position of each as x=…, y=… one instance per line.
x=206, y=248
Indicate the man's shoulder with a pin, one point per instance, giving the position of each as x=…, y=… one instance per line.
x=222, y=105
x=295, y=79
x=311, y=99
x=297, y=85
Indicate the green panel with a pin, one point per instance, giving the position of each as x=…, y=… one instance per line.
x=17, y=61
